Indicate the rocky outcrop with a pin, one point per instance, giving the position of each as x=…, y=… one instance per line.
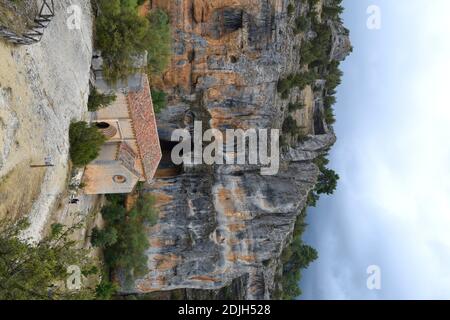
x=224, y=222
x=49, y=90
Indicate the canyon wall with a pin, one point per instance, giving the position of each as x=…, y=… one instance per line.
x=223, y=223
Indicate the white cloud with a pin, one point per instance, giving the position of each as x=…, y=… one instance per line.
x=393, y=203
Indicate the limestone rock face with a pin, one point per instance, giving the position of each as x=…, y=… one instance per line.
x=221, y=223
x=49, y=89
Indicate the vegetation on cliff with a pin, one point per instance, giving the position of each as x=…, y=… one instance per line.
x=124, y=237
x=295, y=257
x=121, y=34
x=315, y=60
x=322, y=73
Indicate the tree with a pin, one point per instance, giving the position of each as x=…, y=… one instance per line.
x=302, y=24
x=102, y=238
x=106, y=290
x=329, y=116
x=294, y=258
x=38, y=270
x=332, y=11
x=99, y=100
x=306, y=255
x=128, y=253
x=122, y=34
x=158, y=41
x=85, y=143
x=327, y=181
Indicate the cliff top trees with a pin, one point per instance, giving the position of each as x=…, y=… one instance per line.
x=295, y=257
x=327, y=182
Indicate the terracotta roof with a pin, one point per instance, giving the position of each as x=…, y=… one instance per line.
x=128, y=158
x=144, y=124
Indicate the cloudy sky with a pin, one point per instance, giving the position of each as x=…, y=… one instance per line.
x=392, y=206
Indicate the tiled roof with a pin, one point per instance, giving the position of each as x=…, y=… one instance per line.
x=145, y=129
x=128, y=158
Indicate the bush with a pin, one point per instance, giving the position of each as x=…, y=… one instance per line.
x=318, y=50
x=85, y=143
x=300, y=80
x=99, y=100
x=105, y=290
x=158, y=41
x=292, y=107
x=159, y=100
x=302, y=24
x=327, y=181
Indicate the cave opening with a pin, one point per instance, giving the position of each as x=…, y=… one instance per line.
x=319, y=127
x=166, y=168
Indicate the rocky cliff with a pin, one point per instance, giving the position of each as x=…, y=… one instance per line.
x=43, y=87
x=223, y=223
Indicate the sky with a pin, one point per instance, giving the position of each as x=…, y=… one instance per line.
x=392, y=205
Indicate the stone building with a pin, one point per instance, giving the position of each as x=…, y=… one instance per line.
x=132, y=151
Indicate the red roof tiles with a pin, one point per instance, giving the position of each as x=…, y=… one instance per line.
x=144, y=124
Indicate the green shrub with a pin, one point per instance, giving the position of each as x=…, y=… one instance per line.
x=302, y=24
x=330, y=119
x=103, y=238
x=121, y=34
x=159, y=100
x=105, y=290
x=99, y=100
x=300, y=80
x=85, y=143
x=292, y=107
